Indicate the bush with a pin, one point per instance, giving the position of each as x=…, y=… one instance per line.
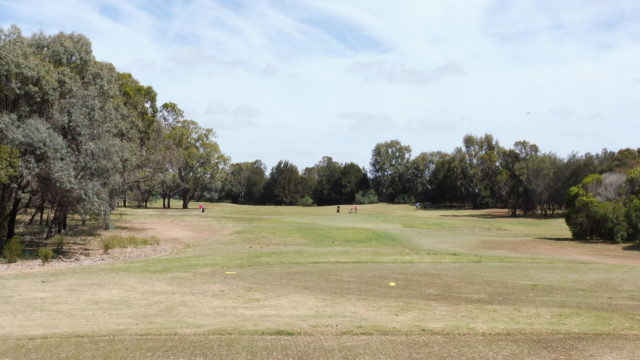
x=611, y=217
x=120, y=241
x=59, y=243
x=595, y=220
x=45, y=254
x=306, y=201
x=405, y=199
x=14, y=249
x=632, y=216
x=366, y=197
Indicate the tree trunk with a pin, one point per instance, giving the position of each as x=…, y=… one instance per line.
x=164, y=202
x=124, y=200
x=169, y=202
x=186, y=199
x=13, y=214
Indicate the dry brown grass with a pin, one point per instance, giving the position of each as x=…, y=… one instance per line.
x=233, y=290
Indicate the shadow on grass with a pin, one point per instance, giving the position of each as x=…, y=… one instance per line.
x=628, y=247
x=504, y=215
x=632, y=247
x=566, y=239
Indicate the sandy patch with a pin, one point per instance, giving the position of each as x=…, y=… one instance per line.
x=172, y=236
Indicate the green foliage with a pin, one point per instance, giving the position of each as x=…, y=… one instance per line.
x=121, y=241
x=9, y=164
x=404, y=199
x=14, y=249
x=597, y=211
x=390, y=169
x=245, y=182
x=366, y=197
x=632, y=217
x=200, y=159
x=284, y=186
x=45, y=254
x=59, y=242
x=632, y=183
x=306, y=201
x=611, y=217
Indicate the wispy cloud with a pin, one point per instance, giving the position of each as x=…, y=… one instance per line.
x=371, y=68
x=225, y=118
x=395, y=73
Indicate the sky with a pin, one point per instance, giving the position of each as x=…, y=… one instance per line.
x=301, y=79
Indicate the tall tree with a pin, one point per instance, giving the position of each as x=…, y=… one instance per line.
x=201, y=160
x=246, y=181
x=60, y=115
x=284, y=186
x=390, y=169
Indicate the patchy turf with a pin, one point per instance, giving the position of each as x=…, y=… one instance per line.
x=289, y=282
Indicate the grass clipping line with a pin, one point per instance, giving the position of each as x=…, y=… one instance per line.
x=122, y=241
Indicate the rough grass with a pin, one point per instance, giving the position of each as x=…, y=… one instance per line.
x=125, y=241
x=289, y=282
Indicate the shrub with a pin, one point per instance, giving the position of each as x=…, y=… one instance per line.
x=611, y=218
x=45, y=254
x=14, y=249
x=59, y=243
x=592, y=219
x=366, y=197
x=632, y=215
x=405, y=199
x=306, y=201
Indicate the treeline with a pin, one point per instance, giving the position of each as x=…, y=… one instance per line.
x=77, y=136
x=479, y=174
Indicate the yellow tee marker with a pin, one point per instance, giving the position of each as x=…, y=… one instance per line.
x=229, y=272
x=392, y=284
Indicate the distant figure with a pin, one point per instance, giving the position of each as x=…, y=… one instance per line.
x=201, y=208
x=417, y=205
x=355, y=208
x=350, y=210
x=338, y=210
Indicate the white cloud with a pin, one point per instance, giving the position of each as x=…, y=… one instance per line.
x=492, y=66
x=395, y=73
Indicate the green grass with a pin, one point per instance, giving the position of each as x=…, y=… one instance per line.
x=290, y=282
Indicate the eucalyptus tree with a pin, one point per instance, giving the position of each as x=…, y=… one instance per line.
x=201, y=162
x=141, y=132
x=284, y=186
x=327, y=190
x=59, y=114
x=422, y=169
x=245, y=182
x=390, y=166
x=352, y=180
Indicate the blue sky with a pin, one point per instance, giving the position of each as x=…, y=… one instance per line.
x=299, y=80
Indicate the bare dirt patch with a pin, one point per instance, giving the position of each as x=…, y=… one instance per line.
x=570, y=250
x=172, y=236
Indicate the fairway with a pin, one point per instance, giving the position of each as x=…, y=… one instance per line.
x=304, y=283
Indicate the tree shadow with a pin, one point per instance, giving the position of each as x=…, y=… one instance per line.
x=627, y=247
x=566, y=239
x=504, y=215
x=632, y=247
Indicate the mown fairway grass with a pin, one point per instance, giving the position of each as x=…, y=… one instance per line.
x=289, y=282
